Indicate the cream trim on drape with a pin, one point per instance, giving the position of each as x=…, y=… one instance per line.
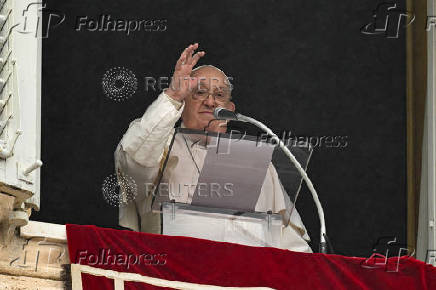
x=120, y=277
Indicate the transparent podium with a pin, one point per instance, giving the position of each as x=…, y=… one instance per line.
x=222, y=225
x=211, y=184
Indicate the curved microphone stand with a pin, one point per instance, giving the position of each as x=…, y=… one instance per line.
x=224, y=114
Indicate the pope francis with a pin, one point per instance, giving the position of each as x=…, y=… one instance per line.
x=193, y=95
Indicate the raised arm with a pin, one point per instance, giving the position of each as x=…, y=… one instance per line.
x=146, y=137
x=140, y=151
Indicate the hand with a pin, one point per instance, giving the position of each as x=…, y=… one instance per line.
x=182, y=84
x=218, y=126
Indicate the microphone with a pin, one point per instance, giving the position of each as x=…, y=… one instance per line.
x=221, y=113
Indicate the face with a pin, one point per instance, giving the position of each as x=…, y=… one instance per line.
x=213, y=91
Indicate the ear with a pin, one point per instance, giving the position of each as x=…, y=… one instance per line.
x=231, y=106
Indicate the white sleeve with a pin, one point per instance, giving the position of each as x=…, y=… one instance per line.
x=138, y=155
x=146, y=137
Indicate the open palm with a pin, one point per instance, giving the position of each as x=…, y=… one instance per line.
x=182, y=84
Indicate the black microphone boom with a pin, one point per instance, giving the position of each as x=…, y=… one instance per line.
x=223, y=114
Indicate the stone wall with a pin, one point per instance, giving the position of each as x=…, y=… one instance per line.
x=35, y=256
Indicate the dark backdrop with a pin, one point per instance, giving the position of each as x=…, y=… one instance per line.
x=298, y=65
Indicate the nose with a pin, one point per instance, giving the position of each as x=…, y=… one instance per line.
x=210, y=101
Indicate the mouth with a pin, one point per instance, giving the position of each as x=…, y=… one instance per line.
x=206, y=113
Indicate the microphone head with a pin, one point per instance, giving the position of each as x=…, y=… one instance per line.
x=221, y=113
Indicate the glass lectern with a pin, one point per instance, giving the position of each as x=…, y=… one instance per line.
x=213, y=185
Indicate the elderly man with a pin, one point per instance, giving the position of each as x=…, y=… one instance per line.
x=192, y=96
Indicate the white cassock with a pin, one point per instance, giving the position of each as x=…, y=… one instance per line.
x=141, y=151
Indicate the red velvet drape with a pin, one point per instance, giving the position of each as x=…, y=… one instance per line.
x=226, y=264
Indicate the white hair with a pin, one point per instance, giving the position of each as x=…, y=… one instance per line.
x=214, y=67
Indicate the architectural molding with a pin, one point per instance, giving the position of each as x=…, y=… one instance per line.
x=38, y=253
